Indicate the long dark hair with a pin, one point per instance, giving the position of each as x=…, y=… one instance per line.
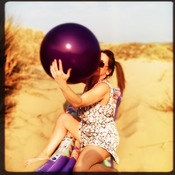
x=119, y=70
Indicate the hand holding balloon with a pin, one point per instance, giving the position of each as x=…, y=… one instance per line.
x=58, y=74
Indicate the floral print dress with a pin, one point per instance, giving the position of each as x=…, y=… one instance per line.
x=97, y=126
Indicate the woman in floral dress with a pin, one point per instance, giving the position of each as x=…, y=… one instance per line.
x=95, y=129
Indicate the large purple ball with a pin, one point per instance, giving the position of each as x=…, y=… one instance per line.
x=76, y=46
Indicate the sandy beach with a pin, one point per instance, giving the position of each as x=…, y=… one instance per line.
x=144, y=119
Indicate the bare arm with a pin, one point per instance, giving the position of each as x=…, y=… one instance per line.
x=94, y=95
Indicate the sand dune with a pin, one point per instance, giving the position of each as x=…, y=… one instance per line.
x=145, y=119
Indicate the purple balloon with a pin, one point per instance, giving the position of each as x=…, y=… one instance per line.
x=69, y=165
x=76, y=46
x=45, y=166
x=58, y=164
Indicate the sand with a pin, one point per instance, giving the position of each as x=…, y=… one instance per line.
x=144, y=119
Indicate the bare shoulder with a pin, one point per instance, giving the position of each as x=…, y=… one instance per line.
x=102, y=86
x=103, y=89
x=99, y=93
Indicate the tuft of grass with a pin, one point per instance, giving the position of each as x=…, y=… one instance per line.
x=22, y=54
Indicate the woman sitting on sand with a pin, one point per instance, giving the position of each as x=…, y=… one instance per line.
x=96, y=131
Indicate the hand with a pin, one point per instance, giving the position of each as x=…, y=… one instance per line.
x=58, y=74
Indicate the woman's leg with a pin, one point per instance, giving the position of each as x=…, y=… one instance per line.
x=64, y=123
x=90, y=160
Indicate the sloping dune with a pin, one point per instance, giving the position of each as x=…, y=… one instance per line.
x=144, y=119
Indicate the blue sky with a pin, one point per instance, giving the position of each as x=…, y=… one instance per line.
x=110, y=21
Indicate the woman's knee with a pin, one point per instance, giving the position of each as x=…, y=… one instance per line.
x=64, y=117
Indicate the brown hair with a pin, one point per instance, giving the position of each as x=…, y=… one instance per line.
x=119, y=70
